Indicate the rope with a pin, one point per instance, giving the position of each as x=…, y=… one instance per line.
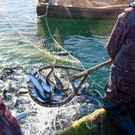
x=50, y=33
x=55, y=41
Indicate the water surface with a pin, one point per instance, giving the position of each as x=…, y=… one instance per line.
x=21, y=33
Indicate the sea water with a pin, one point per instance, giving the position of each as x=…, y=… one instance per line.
x=19, y=33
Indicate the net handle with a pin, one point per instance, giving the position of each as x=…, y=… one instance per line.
x=91, y=70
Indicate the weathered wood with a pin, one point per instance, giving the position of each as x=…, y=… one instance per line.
x=108, y=12
x=95, y=123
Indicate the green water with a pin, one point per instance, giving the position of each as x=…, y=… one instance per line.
x=20, y=32
x=84, y=27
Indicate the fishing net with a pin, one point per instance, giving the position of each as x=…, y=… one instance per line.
x=58, y=87
x=57, y=55
x=34, y=117
x=15, y=90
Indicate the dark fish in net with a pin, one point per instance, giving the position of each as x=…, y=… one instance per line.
x=51, y=86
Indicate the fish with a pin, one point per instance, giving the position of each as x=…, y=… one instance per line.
x=1, y=84
x=59, y=86
x=46, y=86
x=76, y=83
x=42, y=89
x=21, y=116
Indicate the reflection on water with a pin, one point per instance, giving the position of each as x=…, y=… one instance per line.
x=66, y=27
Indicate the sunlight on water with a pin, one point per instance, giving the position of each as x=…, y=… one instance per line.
x=14, y=18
